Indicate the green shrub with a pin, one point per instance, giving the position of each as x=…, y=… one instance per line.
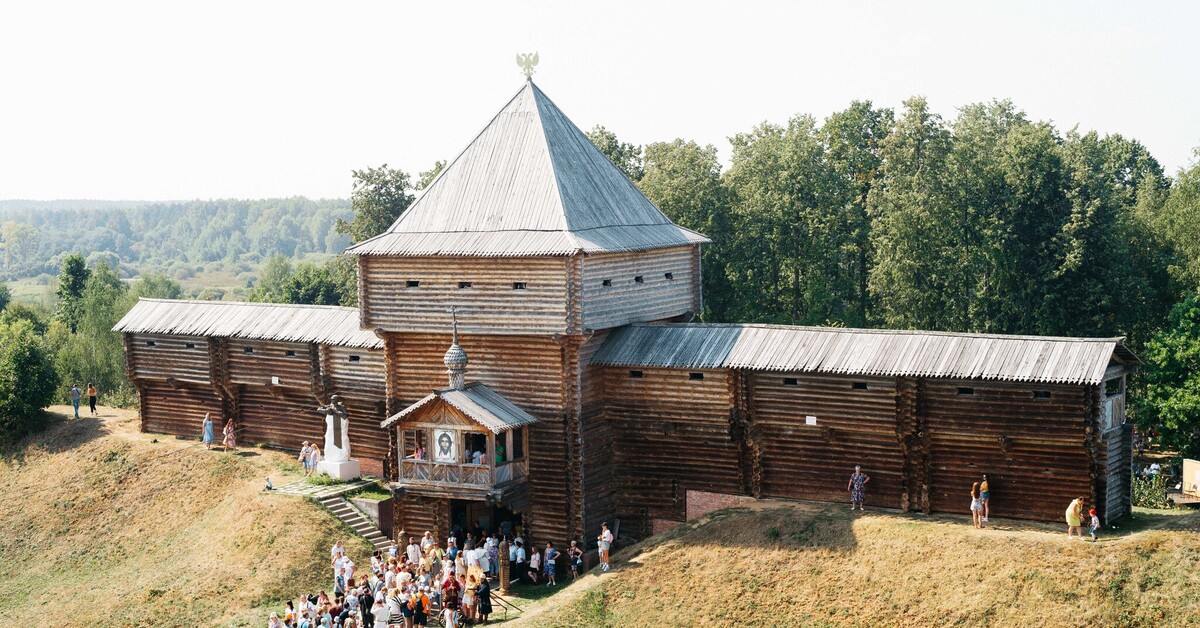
x=322, y=479
x=1150, y=492
x=27, y=380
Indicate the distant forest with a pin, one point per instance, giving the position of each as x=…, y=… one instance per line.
x=178, y=239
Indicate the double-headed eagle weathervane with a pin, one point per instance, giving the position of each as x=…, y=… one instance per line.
x=527, y=62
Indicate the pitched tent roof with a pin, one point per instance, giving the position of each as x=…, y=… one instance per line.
x=480, y=403
x=321, y=324
x=878, y=352
x=531, y=183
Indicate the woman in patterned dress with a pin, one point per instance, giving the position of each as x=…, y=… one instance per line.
x=857, y=487
x=230, y=434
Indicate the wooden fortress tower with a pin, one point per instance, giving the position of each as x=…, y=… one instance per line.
x=572, y=363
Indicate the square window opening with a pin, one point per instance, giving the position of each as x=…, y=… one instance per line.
x=1112, y=387
x=518, y=285
x=635, y=374
x=859, y=386
x=669, y=276
x=289, y=353
x=412, y=283
x=639, y=279
x=190, y=345
x=151, y=343
x=607, y=283
x=464, y=284
x=791, y=381
x=696, y=377
x=355, y=358
x=966, y=392
x=247, y=349
x=1041, y=394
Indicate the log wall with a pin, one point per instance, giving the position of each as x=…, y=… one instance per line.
x=413, y=515
x=362, y=386
x=489, y=305
x=670, y=433
x=599, y=470
x=181, y=358
x=853, y=426
x=267, y=360
x=626, y=301
x=1034, y=451
x=281, y=417
x=179, y=409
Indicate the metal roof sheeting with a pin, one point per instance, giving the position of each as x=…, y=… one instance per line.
x=886, y=353
x=480, y=403
x=531, y=183
x=321, y=324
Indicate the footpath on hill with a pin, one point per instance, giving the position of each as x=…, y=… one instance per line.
x=804, y=564
x=102, y=525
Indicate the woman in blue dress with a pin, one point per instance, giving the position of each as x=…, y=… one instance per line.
x=858, y=487
x=208, y=437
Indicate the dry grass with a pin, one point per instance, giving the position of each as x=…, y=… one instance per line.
x=812, y=565
x=102, y=526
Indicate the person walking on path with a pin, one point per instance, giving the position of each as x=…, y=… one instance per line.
x=976, y=506
x=605, y=539
x=230, y=434
x=858, y=487
x=1075, y=517
x=984, y=495
x=92, y=398
x=206, y=431
x=76, y=394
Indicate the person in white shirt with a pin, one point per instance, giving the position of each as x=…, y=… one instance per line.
x=605, y=539
x=336, y=552
x=414, y=551
x=379, y=613
x=426, y=541
x=477, y=457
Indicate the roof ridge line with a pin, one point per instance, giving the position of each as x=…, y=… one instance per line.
x=885, y=331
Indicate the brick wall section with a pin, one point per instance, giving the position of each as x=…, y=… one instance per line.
x=700, y=503
x=658, y=526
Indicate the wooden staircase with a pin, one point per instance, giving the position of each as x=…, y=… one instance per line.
x=349, y=515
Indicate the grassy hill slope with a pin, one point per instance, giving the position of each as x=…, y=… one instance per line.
x=792, y=564
x=100, y=525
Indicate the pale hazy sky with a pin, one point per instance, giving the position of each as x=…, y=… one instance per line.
x=185, y=99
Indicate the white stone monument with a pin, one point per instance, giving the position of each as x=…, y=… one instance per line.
x=336, y=461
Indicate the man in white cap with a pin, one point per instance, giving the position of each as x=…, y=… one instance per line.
x=305, y=452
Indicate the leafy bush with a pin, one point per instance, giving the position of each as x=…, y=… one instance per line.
x=322, y=479
x=27, y=380
x=1150, y=492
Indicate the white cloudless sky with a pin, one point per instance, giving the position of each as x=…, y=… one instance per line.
x=251, y=99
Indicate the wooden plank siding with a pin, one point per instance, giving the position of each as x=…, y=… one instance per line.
x=413, y=515
x=529, y=371
x=670, y=433
x=490, y=305
x=179, y=409
x=853, y=426
x=160, y=357
x=1033, y=450
x=626, y=301
x=279, y=417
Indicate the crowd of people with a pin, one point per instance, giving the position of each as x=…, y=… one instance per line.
x=424, y=581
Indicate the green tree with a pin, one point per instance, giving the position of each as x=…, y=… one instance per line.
x=156, y=286
x=28, y=380
x=95, y=353
x=684, y=180
x=853, y=140
x=5, y=295
x=626, y=157
x=35, y=315
x=1170, y=387
x=913, y=228
x=72, y=279
x=380, y=195
x=311, y=284
x=427, y=177
x=272, y=280
x=1179, y=223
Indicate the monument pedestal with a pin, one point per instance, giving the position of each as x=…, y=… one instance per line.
x=343, y=471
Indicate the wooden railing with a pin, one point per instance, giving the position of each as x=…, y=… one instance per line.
x=510, y=471
x=445, y=473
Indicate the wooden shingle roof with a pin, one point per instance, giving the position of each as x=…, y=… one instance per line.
x=531, y=183
x=281, y=322
x=886, y=353
x=479, y=403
